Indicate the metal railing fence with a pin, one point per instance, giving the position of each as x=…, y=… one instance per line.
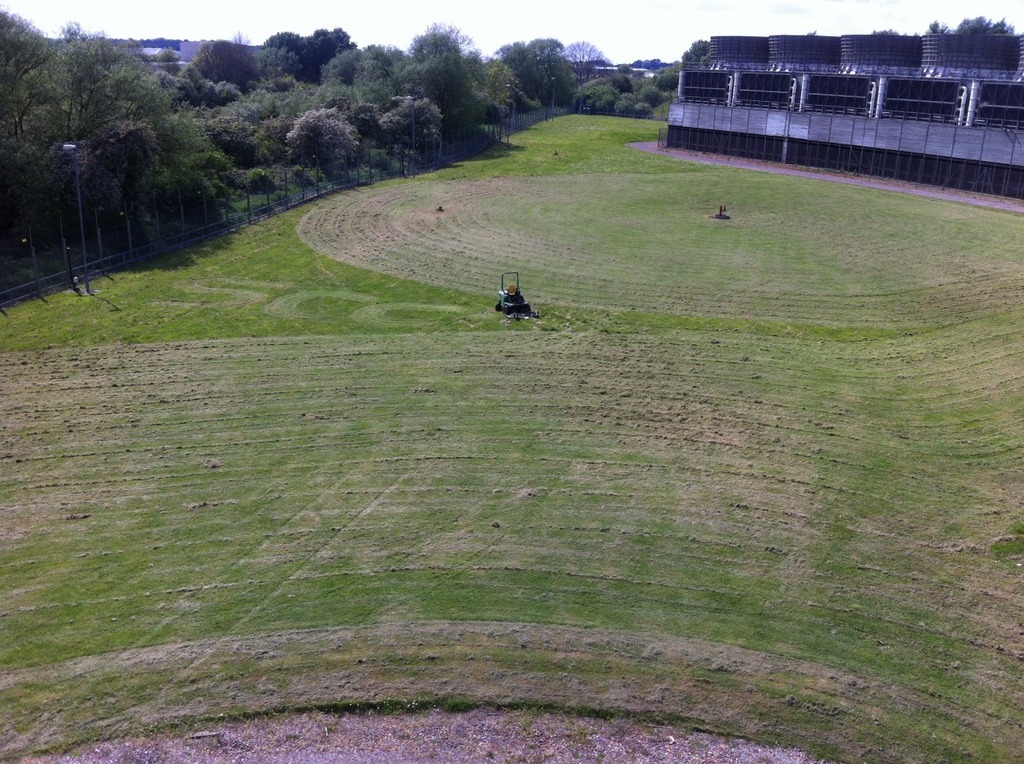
x=63, y=265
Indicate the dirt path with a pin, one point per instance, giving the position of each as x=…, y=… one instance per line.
x=964, y=197
x=496, y=737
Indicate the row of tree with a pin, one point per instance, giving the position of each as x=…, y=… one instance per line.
x=239, y=115
x=976, y=25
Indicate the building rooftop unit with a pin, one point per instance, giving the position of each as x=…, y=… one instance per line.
x=988, y=57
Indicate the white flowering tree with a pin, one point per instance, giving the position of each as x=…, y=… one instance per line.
x=321, y=137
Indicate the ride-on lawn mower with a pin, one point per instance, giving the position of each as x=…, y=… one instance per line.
x=510, y=298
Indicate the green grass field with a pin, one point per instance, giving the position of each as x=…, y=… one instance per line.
x=760, y=476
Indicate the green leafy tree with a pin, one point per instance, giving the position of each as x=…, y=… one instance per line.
x=24, y=54
x=107, y=102
x=697, y=54
x=288, y=41
x=631, y=105
x=259, y=180
x=982, y=25
x=237, y=138
x=520, y=61
x=411, y=126
x=99, y=95
x=650, y=94
x=311, y=53
x=187, y=160
x=343, y=67
x=226, y=61
x=226, y=92
x=365, y=117
x=622, y=80
x=446, y=69
x=600, y=97
x=541, y=70
x=500, y=86
x=411, y=119
x=667, y=80
x=277, y=62
x=97, y=82
x=120, y=164
x=25, y=57
x=651, y=64
x=380, y=75
x=976, y=25
x=192, y=88
x=320, y=48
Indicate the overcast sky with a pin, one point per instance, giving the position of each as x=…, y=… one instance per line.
x=623, y=31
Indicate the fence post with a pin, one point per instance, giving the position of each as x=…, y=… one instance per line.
x=67, y=255
x=35, y=261
x=156, y=216
x=99, y=234
x=128, y=228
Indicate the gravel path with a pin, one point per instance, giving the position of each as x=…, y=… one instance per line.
x=965, y=197
x=489, y=737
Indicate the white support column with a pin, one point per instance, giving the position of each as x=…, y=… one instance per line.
x=961, y=106
x=883, y=86
x=805, y=83
x=972, y=106
x=734, y=96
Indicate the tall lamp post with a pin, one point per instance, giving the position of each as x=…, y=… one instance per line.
x=512, y=111
x=412, y=103
x=71, y=148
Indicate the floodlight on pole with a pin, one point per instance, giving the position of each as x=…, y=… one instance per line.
x=512, y=110
x=72, y=148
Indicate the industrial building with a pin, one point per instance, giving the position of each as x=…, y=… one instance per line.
x=939, y=109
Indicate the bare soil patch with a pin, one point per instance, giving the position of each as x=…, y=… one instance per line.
x=435, y=737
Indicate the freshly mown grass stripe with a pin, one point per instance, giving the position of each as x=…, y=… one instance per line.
x=804, y=469
x=799, y=257
x=307, y=563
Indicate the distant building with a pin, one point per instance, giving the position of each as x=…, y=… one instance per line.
x=605, y=71
x=945, y=109
x=188, y=48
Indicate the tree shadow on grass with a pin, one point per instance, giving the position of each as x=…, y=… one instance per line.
x=186, y=257
x=499, y=150
x=108, y=302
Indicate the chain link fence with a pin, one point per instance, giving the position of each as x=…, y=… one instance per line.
x=51, y=261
